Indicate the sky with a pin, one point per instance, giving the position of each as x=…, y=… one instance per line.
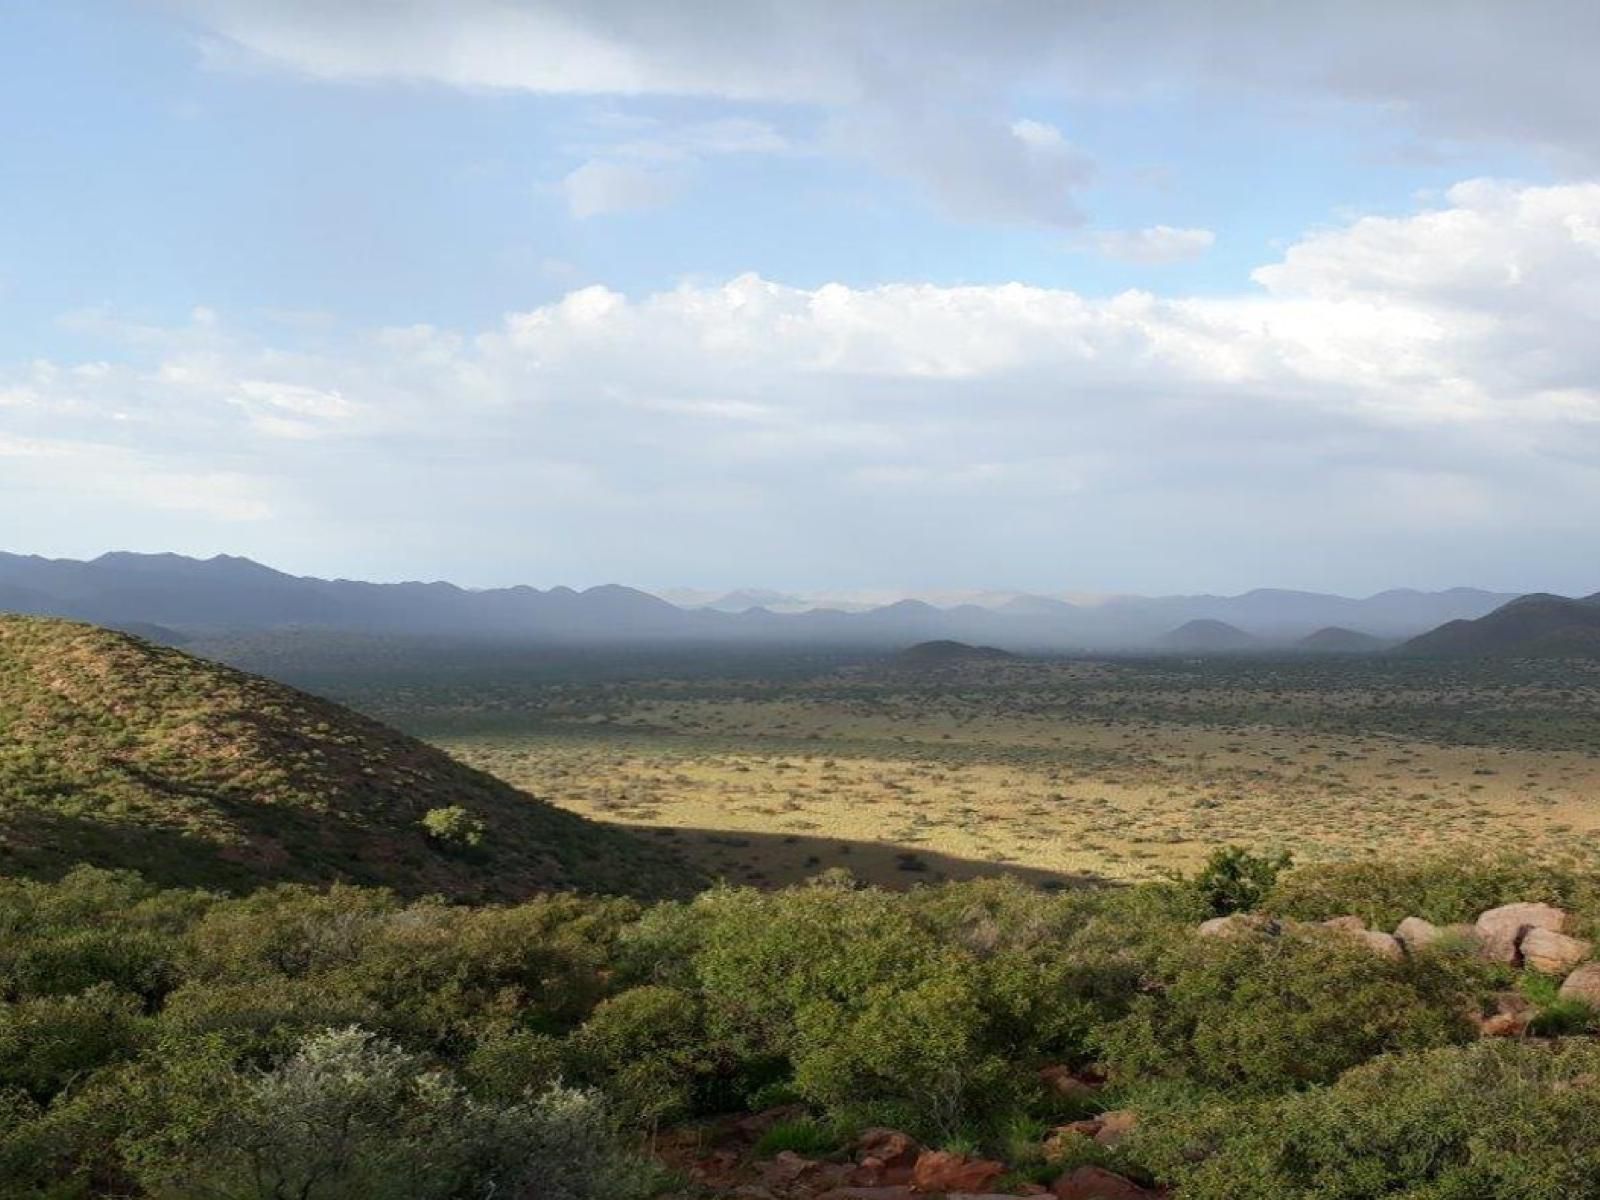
x=1045, y=295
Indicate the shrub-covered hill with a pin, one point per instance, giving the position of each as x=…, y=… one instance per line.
x=121, y=753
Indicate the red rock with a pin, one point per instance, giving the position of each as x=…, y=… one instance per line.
x=1096, y=1183
x=889, y=1146
x=1513, y=1013
x=939, y=1171
x=787, y=1167
x=872, y=1172
x=1114, y=1126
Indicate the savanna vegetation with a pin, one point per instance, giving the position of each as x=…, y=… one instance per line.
x=348, y=1042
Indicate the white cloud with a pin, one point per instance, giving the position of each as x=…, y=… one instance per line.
x=1155, y=246
x=1426, y=377
x=599, y=188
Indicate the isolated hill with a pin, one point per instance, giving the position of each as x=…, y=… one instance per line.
x=121, y=753
x=1207, y=636
x=1540, y=625
x=946, y=653
x=1335, y=639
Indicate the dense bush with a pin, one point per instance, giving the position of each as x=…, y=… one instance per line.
x=1234, y=880
x=1262, y=1013
x=186, y=1044
x=1498, y=1119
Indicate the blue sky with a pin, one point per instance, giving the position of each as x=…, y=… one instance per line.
x=803, y=295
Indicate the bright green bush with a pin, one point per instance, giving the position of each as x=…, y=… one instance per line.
x=1267, y=1013
x=454, y=828
x=1234, y=880
x=1496, y=1119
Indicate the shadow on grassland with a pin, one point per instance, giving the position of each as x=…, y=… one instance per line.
x=771, y=860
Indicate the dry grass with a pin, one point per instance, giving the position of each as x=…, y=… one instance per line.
x=782, y=781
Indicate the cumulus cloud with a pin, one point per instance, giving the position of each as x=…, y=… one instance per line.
x=1155, y=246
x=1430, y=376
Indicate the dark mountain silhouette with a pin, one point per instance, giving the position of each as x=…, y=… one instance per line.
x=1205, y=636
x=1540, y=625
x=121, y=753
x=1335, y=639
x=945, y=653
x=226, y=596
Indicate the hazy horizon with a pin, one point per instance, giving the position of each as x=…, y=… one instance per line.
x=1161, y=299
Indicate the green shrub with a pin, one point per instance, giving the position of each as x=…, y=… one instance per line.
x=48, y=1042
x=1260, y=1013
x=647, y=1047
x=454, y=828
x=1498, y=1118
x=1234, y=880
x=351, y=1115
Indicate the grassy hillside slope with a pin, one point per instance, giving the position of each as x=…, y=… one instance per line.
x=121, y=753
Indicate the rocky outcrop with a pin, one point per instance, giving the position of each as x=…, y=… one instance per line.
x=1501, y=930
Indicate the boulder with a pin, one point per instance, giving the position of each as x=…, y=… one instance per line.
x=940, y=1171
x=1416, y=934
x=870, y=1193
x=1553, y=953
x=1583, y=985
x=1348, y=924
x=889, y=1147
x=1238, y=923
x=1382, y=944
x=1500, y=930
x=1096, y=1183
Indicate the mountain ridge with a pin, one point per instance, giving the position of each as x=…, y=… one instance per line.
x=230, y=594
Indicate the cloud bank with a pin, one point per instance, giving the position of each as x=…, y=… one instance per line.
x=1429, y=377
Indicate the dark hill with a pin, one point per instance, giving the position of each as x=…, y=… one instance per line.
x=1539, y=626
x=1336, y=639
x=1206, y=636
x=122, y=753
x=945, y=653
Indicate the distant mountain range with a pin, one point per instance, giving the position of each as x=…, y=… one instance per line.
x=172, y=597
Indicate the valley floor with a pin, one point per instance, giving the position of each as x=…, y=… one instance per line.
x=1061, y=770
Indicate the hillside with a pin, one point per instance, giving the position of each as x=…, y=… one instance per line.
x=945, y=653
x=122, y=753
x=1335, y=639
x=1538, y=626
x=1207, y=637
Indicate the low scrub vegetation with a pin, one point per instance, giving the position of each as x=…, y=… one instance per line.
x=348, y=1042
